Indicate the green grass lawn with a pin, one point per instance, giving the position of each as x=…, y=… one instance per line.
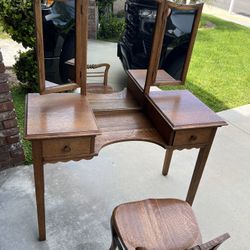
x=19, y=102
x=219, y=72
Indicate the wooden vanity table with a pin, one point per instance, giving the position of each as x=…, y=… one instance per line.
x=71, y=126
x=65, y=127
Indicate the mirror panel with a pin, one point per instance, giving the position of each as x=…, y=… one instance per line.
x=57, y=24
x=59, y=39
x=176, y=42
x=159, y=35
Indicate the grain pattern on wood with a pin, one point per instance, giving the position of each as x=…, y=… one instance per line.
x=136, y=90
x=159, y=32
x=39, y=45
x=192, y=136
x=59, y=115
x=55, y=88
x=67, y=147
x=116, y=102
x=81, y=44
x=183, y=110
x=99, y=89
x=129, y=126
x=162, y=78
x=161, y=224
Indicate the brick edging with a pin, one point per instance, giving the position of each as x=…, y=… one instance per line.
x=11, y=151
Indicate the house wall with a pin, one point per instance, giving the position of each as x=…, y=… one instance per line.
x=118, y=5
x=11, y=151
x=93, y=20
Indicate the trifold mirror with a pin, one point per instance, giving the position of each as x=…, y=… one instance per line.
x=166, y=32
x=57, y=23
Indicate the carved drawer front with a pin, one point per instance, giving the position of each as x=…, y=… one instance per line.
x=67, y=148
x=192, y=137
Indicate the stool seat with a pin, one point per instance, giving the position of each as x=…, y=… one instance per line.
x=158, y=224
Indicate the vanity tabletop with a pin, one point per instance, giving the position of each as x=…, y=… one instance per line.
x=58, y=115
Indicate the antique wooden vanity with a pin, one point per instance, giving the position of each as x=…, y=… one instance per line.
x=72, y=126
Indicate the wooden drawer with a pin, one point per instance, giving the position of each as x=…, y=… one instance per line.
x=67, y=148
x=192, y=137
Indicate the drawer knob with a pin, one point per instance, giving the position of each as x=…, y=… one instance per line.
x=193, y=138
x=66, y=149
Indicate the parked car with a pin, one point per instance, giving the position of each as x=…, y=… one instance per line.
x=59, y=38
x=134, y=48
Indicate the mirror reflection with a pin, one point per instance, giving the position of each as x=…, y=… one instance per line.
x=176, y=41
x=59, y=37
x=135, y=46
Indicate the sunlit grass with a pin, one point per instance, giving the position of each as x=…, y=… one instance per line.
x=219, y=72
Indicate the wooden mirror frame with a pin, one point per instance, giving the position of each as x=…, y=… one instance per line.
x=159, y=32
x=81, y=50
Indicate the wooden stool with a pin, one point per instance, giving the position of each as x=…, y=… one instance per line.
x=158, y=224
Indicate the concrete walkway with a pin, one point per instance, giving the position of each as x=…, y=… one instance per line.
x=80, y=195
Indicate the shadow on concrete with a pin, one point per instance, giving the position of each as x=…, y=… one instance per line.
x=243, y=14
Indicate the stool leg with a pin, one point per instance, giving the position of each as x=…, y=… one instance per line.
x=114, y=236
x=167, y=160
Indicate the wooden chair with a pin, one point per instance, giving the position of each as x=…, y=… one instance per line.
x=94, y=85
x=97, y=76
x=158, y=224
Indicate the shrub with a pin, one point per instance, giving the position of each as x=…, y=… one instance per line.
x=17, y=18
x=27, y=71
x=104, y=7
x=111, y=27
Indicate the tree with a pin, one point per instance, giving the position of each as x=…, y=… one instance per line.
x=17, y=18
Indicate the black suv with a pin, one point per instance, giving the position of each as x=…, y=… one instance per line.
x=134, y=47
x=59, y=38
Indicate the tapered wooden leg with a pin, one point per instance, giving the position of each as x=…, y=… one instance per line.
x=198, y=170
x=167, y=160
x=39, y=187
